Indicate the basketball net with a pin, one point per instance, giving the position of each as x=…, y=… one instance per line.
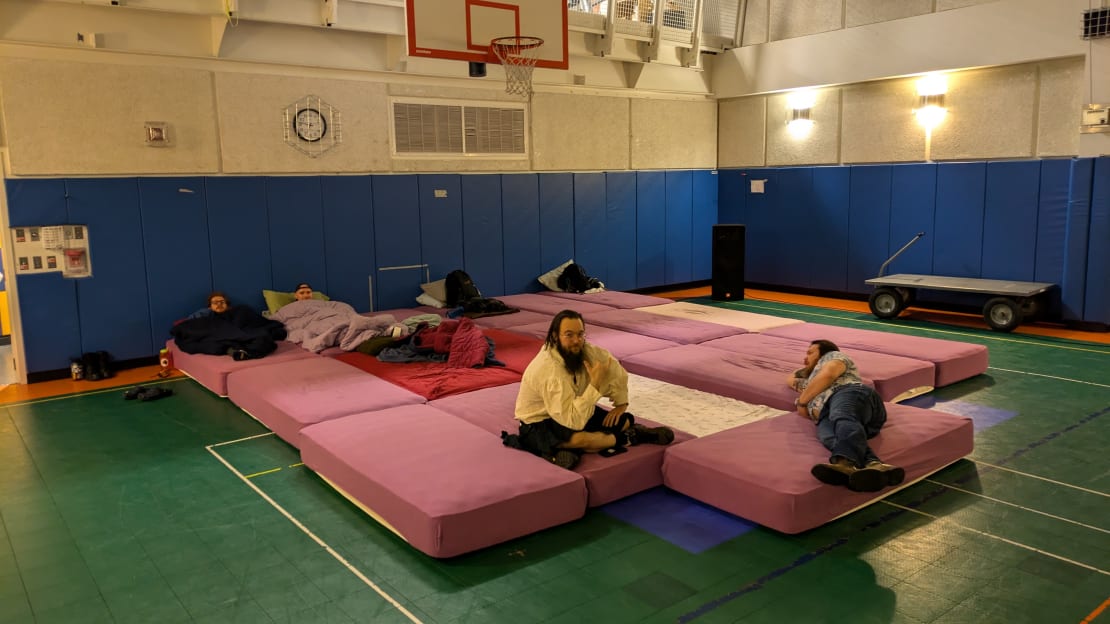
x=518, y=55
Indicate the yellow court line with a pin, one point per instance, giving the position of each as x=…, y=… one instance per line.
x=264, y=472
x=296, y=465
x=939, y=331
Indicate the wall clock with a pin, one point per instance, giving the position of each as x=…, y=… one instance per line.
x=310, y=125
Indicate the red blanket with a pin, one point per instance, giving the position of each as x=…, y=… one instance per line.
x=434, y=380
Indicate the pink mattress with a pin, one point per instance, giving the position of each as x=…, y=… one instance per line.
x=211, y=371
x=550, y=306
x=612, y=298
x=954, y=361
x=431, y=380
x=289, y=396
x=620, y=343
x=712, y=370
x=680, y=330
x=890, y=375
x=748, y=321
x=442, y=484
x=607, y=478
x=760, y=471
x=509, y=321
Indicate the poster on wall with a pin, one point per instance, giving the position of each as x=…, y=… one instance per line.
x=52, y=249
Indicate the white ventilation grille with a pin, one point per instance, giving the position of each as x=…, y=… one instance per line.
x=422, y=128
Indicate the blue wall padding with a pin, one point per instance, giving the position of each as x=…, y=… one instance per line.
x=651, y=227
x=1010, y=220
x=396, y=240
x=703, y=218
x=792, y=199
x=348, y=238
x=912, y=203
x=481, y=229
x=440, y=225
x=239, y=238
x=590, y=242
x=175, y=231
x=114, y=304
x=51, y=325
x=678, y=259
x=296, y=232
x=732, y=195
x=763, y=251
x=36, y=202
x=831, y=218
x=958, y=224
x=520, y=212
x=1052, y=220
x=868, y=225
x=1072, y=288
x=1096, y=306
x=556, y=219
x=620, y=230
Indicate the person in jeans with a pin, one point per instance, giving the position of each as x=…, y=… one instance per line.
x=847, y=414
x=557, y=403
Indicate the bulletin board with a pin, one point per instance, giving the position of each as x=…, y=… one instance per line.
x=52, y=249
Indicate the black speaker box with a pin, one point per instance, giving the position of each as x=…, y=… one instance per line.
x=728, y=262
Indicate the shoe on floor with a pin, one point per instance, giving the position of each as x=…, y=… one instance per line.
x=153, y=394
x=564, y=459
x=893, y=474
x=838, y=472
x=133, y=393
x=640, y=434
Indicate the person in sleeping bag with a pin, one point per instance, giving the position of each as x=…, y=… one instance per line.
x=847, y=414
x=303, y=292
x=223, y=329
x=557, y=404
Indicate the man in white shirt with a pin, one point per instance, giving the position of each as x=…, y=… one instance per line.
x=847, y=413
x=557, y=404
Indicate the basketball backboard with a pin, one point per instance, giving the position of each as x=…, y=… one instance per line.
x=461, y=30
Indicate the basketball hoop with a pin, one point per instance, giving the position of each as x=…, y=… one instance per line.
x=518, y=55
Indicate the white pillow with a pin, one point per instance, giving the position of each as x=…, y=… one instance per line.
x=550, y=278
x=428, y=300
x=436, y=290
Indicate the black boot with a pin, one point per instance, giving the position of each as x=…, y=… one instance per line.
x=105, y=364
x=92, y=367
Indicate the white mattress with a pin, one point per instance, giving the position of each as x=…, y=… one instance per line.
x=693, y=411
x=749, y=321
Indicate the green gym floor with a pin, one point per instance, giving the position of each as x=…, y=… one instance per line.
x=187, y=510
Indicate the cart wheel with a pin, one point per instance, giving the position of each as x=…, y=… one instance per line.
x=1002, y=314
x=886, y=303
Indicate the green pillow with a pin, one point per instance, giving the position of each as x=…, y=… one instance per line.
x=275, y=300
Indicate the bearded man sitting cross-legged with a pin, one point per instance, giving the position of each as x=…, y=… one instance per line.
x=557, y=404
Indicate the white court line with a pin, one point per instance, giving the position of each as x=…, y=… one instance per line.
x=1046, y=479
x=253, y=437
x=998, y=537
x=338, y=557
x=937, y=331
x=1079, y=381
x=1022, y=507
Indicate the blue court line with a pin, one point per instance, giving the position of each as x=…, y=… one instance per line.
x=810, y=556
x=982, y=416
x=689, y=524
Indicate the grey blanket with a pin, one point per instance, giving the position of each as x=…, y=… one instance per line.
x=317, y=325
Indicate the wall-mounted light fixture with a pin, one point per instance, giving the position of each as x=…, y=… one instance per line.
x=799, y=104
x=930, y=109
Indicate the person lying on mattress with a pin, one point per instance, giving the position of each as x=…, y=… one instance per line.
x=237, y=331
x=316, y=324
x=557, y=404
x=847, y=414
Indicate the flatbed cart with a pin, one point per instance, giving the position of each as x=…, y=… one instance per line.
x=1011, y=303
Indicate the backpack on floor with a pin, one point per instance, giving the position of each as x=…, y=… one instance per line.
x=460, y=288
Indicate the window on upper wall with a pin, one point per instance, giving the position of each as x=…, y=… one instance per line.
x=423, y=128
